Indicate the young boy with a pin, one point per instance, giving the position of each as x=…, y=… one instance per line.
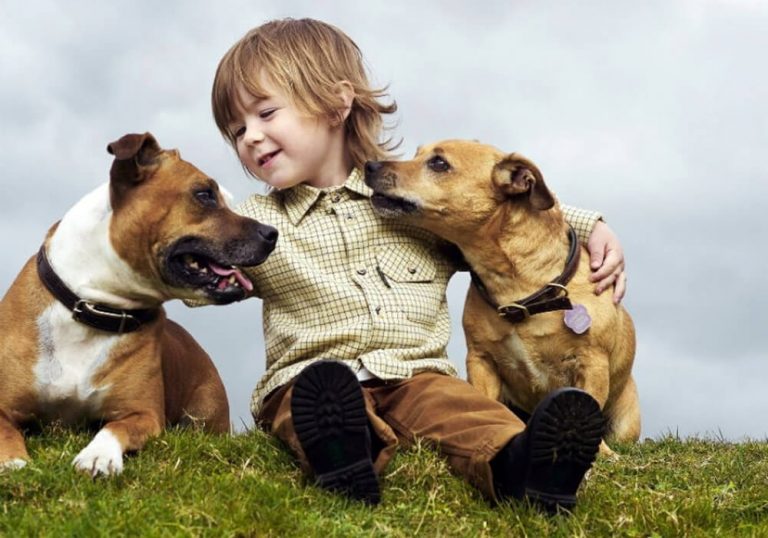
x=355, y=315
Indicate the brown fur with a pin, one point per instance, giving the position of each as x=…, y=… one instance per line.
x=497, y=209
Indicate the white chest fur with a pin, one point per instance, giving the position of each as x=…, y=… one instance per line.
x=70, y=354
x=515, y=356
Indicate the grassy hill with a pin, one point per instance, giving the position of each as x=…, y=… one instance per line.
x=192, y=484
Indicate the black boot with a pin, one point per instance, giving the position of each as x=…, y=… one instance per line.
x=330, y=421
x=548, y=460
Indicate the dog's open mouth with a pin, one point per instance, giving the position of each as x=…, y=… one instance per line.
x=392, y=206
x=207, y=272
x=221, y=282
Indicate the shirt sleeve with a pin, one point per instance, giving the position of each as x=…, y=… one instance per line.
x=582, y=220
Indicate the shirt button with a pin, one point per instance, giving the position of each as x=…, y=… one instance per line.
x=335, y=198
x=412, y=270
x=378, y=309
x=350, y=216
x=361, y=271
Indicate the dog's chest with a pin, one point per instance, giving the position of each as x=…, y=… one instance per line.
x=533, y=364
x=515, y=356
x=69, y=356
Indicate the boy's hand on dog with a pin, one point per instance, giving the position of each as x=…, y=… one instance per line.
x=606, y=258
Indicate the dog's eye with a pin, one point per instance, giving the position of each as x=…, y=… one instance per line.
x=207, y=198
x=438, y=164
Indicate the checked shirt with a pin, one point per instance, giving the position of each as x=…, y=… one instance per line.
x=346, y=284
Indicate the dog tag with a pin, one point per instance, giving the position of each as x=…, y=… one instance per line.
x=577, y=319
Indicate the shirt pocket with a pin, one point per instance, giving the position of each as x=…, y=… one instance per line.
x=410, y=272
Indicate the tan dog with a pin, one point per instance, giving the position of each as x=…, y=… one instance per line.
x=83, y=335
x=523, y=338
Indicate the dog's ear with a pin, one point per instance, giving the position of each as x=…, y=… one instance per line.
x=516, y=176
x=140, y=147
x=135, y=158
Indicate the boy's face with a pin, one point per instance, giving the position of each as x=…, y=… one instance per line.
x=284, y=147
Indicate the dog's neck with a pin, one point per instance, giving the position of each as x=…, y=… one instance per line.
x=523, y=250
x=80, y=252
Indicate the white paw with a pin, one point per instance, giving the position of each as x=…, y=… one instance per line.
x=12, y=465
x=103, y=455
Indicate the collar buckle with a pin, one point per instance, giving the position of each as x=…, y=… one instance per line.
x=84, y=310
x=514, y=308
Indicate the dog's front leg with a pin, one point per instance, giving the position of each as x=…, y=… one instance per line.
x=13, y=451
x=483, y=374
x=104, y=454
x=594, y=377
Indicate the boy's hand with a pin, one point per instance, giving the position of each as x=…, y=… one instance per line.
x=606, y=258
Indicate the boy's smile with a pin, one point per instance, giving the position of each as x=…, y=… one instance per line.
x=267, y=160
x=283, y=146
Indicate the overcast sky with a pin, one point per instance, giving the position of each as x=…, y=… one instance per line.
x=654, y=113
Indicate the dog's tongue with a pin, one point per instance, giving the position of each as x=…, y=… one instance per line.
x=226, y=271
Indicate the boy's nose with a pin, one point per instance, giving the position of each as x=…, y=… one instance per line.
x=254, y=136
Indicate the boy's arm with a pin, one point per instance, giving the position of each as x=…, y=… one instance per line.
x=606, y=255
x=582, y=220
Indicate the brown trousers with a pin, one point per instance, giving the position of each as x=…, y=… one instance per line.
x=466, y=427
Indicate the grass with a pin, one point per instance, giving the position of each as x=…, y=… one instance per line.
x=191, y=484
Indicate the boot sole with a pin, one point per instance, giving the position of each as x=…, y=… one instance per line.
x=565, y=434
x=329, y=417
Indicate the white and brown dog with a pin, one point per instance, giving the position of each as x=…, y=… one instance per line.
x=532, y=320
x=83, y=335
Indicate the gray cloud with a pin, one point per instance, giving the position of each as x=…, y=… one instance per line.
x=652, y=112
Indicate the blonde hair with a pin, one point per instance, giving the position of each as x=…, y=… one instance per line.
x=305, y=59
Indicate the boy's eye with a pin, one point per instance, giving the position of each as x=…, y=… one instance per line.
x=206, y=198
x=438, y=164
x=264, y=114
x=238, y=132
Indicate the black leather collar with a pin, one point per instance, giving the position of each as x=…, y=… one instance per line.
x=98, y=316
x=553, y=296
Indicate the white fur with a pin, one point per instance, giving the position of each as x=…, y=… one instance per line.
x=82, y=255
x=12, y=465
x=103, y=455
x=70, y=353
x=540, y=377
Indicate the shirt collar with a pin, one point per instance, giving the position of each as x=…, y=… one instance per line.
x=356, y=183
x=299, y=200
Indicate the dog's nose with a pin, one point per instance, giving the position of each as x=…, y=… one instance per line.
x=268, y=233
x=371, y=167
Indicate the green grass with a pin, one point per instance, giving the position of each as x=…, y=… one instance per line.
x=191, y=484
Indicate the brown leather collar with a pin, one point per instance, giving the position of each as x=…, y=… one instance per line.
x=553, y=296
x=98, y=316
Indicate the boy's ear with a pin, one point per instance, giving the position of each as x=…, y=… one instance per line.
x=346, y=95
x=515, y=175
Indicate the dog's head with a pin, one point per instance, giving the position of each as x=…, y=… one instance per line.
x=173, y=225
x=453, y=186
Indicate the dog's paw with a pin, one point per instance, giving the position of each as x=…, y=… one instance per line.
x=102, y=456
x=12, y=464
x=607, y=453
